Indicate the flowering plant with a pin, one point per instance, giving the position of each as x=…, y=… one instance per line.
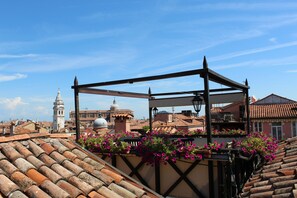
x=156, y=149
x=215, y=146
x=213, y=132
x=107, y=144
x=259, y=143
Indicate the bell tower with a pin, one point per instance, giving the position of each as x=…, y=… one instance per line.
x=59, y=116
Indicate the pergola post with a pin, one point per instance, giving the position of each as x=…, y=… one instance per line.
x=76, y=103
x=150, y=111
x=208, y=124
x=247, y=104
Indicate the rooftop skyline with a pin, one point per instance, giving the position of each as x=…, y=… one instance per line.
x=44, y=45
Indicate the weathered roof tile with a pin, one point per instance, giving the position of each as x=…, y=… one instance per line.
x=108, y=193
x=83, y=186
x=46, y=167
x=97, y=165
x=36, y=192
x=47, y=148
x=121, y=191
x=70, y=189
x=22, y=180
x=49, y=173
x=93, y=181
x=23, y=165
x=7, y=166
x=36, y=176
x=35, y=161
x=17, y=194
x=117, y=178
x=7, y=186
x=72, y=167
x=47, y=160
x=35, y=148
x=81, y=155
x=22, y=149
x=10, y=152
x=58, y=157
x=62, y=171
x=54, y=190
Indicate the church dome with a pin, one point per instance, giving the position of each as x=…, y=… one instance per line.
x=114, y=106
x=100, y=123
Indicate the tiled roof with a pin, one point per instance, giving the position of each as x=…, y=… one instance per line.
x=277, y=178
x=122, y=115
x=42, y=166
x=273, y=111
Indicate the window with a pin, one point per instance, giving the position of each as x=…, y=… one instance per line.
x=258, y=127
x=294, y=128
x=276, y=129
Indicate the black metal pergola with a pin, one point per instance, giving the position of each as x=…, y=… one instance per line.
x=233, y=92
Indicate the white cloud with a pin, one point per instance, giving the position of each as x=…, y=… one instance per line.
x=253, y=51
x=11, y=77
x=11, y=56
x=11, y=103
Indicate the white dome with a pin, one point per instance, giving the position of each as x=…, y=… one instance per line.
x=100, y=123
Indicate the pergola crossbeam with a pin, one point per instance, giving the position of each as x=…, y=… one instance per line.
x=113, y=93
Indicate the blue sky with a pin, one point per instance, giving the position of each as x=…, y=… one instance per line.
x=45, y=44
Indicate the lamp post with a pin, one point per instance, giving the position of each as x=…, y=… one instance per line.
x=197, y=102
x=155, y=111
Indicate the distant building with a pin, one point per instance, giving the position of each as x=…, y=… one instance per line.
x=275, y=115
x=87, y=117
x=59, y=116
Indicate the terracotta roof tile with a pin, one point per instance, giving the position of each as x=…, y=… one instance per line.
x=36, y=192
x=69, y=155
x=47, y=160
x=54, y=190
x=283, y=190
x=89, y=168
x=277, y=178
x=46, y=167
x=59, y=146
x=97, y=165
x=7, y=186
x=117, y=178
x=83, y=186
x=262, y=194
x=134, y=189
x=18, y=194
x=121, y=191
x=273, y=111
x=62, y=171
x=35, y=161
x=23, y=165
x=47, y=148
x=70, y=189
x=22, y=180
x=103, y=177
x=72, y=167
x=49, y=173
x=58, y=157
x=94, y=194
x=36, y=176
x=2, y=156
x=22, y=150
x=35, y=149
x=108, y=193
x=10, y=152
x=67, y=144
x=7, y=167
x=81, y=155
